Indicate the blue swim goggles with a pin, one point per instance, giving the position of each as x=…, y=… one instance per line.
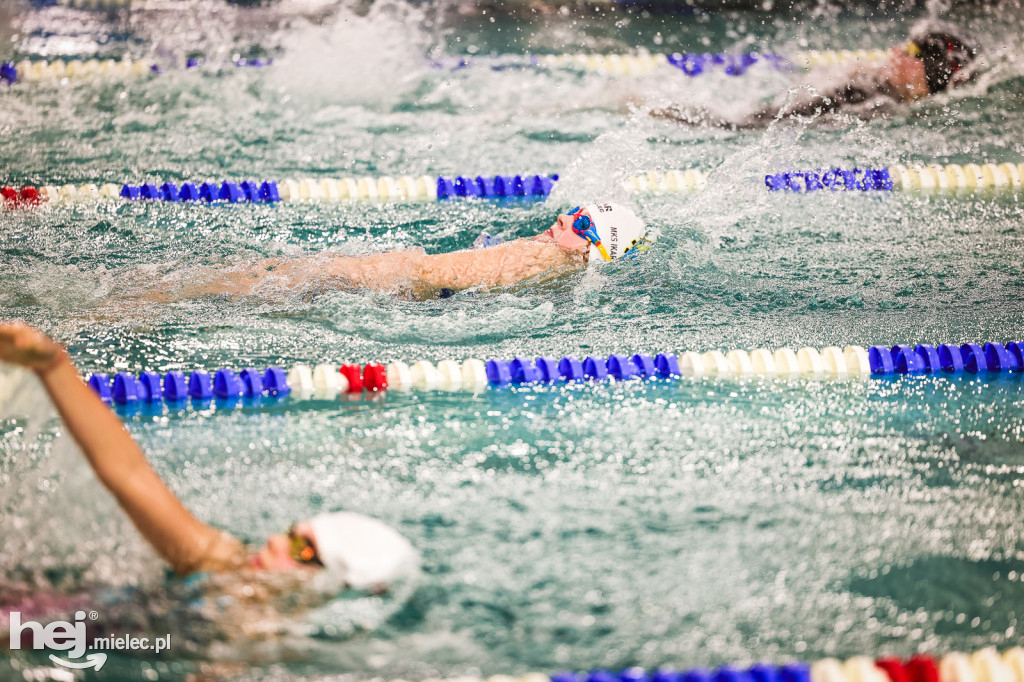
x=584, y=227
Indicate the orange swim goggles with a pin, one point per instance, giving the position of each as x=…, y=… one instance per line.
x=301, y=549
x=584, y=227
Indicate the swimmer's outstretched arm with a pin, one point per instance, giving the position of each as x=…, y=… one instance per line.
x=185, y=542
x=497, y=266
x=555, y=251
x=407, y=270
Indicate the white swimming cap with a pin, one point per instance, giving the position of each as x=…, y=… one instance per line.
x=364, y=552
x=621, y=232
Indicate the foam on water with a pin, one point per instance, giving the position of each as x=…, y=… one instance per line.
x=328, y=64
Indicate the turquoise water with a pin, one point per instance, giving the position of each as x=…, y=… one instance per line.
x=694, y=522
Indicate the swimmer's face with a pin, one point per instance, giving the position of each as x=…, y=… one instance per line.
x=562, y=234
x=276, y=554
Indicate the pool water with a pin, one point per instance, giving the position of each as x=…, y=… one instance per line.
x=679, y=523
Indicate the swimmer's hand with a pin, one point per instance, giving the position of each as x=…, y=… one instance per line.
x=27, y=347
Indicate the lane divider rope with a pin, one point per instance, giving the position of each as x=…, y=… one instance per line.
x=690, y=63
x=42, y=70
x=87, y=4
x=985, y=665
x=328, y=380
x=381, y=190
x=969, y=178
x=953, y=179
x=29, y=70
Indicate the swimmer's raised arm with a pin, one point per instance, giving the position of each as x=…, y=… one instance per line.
x=362, y=551
x=181, y=539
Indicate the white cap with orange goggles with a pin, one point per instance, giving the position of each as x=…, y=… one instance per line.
x=613, y=231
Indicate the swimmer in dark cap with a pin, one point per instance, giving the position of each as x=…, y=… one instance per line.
x=363, y=553
x=936, y=58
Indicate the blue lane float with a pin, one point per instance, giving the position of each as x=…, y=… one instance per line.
x=252, y=382
x=523, y=371
x=177, y=386
x=930, y=355
x=667, y=365
x=547, y=368
x=227, y=192
x=835, y=179
x=622, y=368
x=200, y=386
x=570, y=369
x=275, y=381
x=731, y=64
x=8, y=73
x=227, y=384
x=150, y=383
x=496, y=187
x=950, y=358
x=644, y=364
x=498, y=372
x=124, y=390
x=100, y=384
x=762, y=672
x=595, y=369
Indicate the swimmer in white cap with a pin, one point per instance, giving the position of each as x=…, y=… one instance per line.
x=362, y=552
x=587, y=235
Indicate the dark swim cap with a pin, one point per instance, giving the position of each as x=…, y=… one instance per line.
x=943, y=54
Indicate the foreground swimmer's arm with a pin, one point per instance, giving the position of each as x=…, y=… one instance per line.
x=363, y=552
x=181, y=539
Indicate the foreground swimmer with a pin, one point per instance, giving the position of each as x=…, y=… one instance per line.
x=592, y=234
x=362, y=552
x=936, y=58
